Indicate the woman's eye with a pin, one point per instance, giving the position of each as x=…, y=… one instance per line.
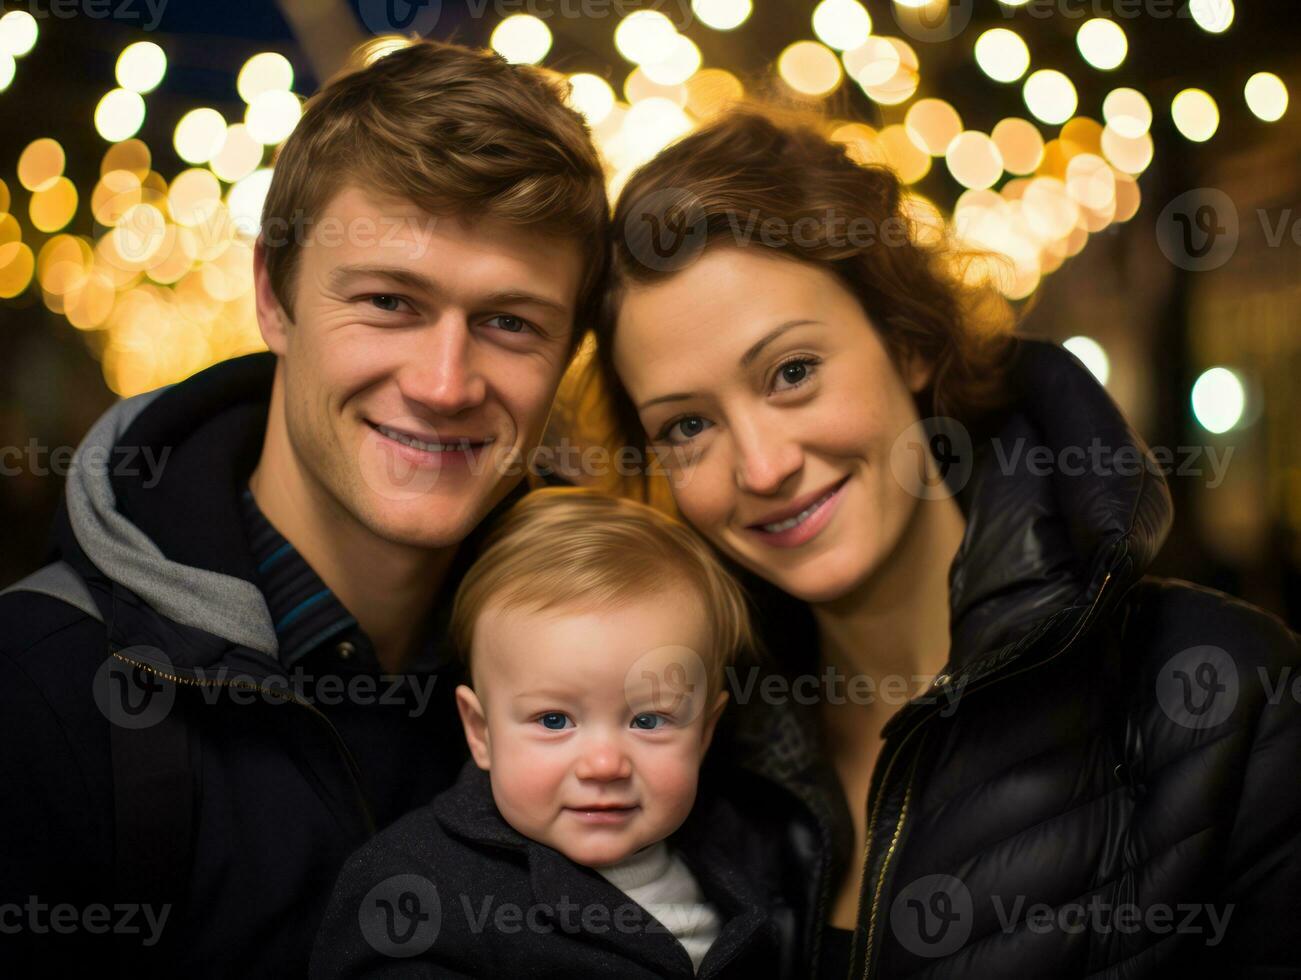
x=648, y=722
x=553, y=720
x=509, y=323
x=795, y=372
x=688, y=427
x=387, y=302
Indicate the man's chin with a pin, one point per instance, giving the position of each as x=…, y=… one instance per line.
x=430, y=524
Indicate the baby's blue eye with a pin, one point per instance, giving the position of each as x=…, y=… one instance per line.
x=553, y=720
x=648, y=722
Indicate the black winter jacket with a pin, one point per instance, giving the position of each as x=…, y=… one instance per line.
x=1106, y=779
x=452, y=890
x=244, y=850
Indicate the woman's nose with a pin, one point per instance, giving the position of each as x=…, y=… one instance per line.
x=765, y=457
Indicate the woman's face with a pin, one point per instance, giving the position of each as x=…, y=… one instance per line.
x=782, y=409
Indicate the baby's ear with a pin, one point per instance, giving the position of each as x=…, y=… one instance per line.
x=475, y=724
x=712, y=714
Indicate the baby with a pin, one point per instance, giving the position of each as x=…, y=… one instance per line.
x=595, y=632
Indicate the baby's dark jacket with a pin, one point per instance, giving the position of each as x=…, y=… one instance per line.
x=452, y=890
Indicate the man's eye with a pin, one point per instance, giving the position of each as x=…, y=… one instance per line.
x=509, y=323
x=553, y=720
x=648, y=722
x=386, y=302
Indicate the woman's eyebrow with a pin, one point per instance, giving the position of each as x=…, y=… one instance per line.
x=747, y=359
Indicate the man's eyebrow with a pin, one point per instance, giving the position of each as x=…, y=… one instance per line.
x=747, y=359
x=342, y=274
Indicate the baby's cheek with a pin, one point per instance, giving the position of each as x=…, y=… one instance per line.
x=672, y=777
x=528, y=778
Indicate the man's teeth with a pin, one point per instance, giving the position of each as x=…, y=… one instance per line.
x=799, y=518
x=429, y=447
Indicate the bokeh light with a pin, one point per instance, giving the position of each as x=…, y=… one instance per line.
x=521, y=38
x=1218, y=400
x=119, y=115
x=141, y=66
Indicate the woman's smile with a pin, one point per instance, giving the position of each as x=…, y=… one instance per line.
x=802, y=527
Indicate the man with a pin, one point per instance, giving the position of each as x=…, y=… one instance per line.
x=265, y=620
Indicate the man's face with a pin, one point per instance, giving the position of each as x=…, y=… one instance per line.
x=421, y=362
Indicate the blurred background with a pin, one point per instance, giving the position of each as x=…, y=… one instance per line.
x=1137, y=160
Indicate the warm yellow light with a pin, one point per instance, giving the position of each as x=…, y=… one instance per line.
x=933, y=124
x=7, y=69
x=710, y=91
x=141, y=66
x=199, y=135
x=722, y=15
x=1128, y=112
x=1102, y=42
x=18, y=32
x=974, y=160
x=16, y=265
x=132, y=155
x=41, y=164
x=265, y=72
x=1213, y=16
x=680, y=62
x=1132, y=155
x=1266, y=96
x=272, y=116
x=591, y=95
x=1195, y=114
x=809, y=68
x=119, y=115
x=522, y=39
x=245, y=199
x=1002, y=54
x=644, y=35
x=1050, y=96
x=841, y=24
x=1020, y=143
x=239, y=155
x=53, y=207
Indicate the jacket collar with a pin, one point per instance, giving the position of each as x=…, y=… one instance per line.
x=157, y=530
x=467, y=811
x=1043, y=543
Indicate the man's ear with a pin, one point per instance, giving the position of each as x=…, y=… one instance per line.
x=711, y=720
x=475, y=724
x=272, y=318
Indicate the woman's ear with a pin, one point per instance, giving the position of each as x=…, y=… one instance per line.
x=475, y=724
x=917, y=371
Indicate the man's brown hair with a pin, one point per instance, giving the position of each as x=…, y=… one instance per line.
x=457, y=131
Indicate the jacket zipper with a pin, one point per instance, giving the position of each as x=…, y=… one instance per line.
x=350, y=761
x=903, y=810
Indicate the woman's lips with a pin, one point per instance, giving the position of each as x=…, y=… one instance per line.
x=809, y=527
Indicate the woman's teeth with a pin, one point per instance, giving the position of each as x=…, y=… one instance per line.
x=799, y=518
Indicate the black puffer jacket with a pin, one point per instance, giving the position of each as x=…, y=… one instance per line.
x=1105, y=782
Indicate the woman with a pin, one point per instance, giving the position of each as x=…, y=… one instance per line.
x=1020, y=757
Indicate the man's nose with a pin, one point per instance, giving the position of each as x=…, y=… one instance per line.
x=444, y=374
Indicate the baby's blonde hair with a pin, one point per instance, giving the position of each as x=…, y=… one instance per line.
x=570, y=546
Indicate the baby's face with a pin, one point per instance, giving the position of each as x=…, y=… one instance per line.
x=592, y=724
